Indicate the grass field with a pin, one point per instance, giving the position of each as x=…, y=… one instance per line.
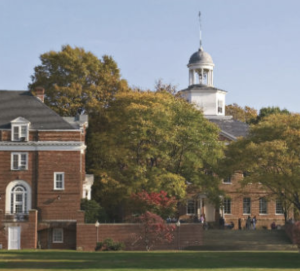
x=123, y=261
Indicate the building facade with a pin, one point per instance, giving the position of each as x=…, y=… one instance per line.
x=42, y=173
x=240, y=202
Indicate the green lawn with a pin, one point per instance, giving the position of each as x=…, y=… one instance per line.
x=179, y=261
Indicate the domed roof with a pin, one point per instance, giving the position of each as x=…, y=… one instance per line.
x=201, y=57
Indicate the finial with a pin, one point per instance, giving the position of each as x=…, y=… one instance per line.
x=200, y=30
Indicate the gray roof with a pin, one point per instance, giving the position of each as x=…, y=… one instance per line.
x=14, y=104
x=202, y=87
x=201, y=57
x=231, y=128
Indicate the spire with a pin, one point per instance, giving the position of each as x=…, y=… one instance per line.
x=200, y=26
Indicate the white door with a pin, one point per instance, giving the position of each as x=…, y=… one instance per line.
x=14, y=237
x=209, y=210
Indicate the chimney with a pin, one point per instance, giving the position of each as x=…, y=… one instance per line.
x=40, y=93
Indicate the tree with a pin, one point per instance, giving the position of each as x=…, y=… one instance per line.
x=155, y=202
x=246, y=114
x=77, y=81
x=153, y=230
x=92, y=211
x=267, y=111
x=153, y=142
x=271, y=154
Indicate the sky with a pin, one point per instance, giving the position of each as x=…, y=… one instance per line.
x=254, y=44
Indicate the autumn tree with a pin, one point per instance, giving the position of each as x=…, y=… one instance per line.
x=156, y=202
x=77, y=81
x=271, y=156
x=153, y=142
x=153, y=230
x=245, y=114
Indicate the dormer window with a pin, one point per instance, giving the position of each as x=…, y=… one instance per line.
x=20, y=129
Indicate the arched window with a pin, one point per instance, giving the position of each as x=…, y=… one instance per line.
x=18, y=198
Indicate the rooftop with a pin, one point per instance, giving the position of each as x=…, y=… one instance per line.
x=14, y=104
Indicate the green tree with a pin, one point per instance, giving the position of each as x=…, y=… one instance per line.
x=271, y=156
x=150, y=141
x=77, y=81
x=92, y=211
x=246, y=114
x=267, y=111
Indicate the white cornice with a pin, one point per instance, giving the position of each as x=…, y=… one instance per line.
x=227, y=135
x=42, y=146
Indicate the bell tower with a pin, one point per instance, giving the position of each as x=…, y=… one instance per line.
x=201, y=90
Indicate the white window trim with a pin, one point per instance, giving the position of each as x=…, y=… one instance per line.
x=230, y=206
x=20, y=130
x=61, y=230
x=63, y=181
x=267, y=213
x=230, y=181
x=19, y=161
x=276, y=209
x=250, y=207
x=9, y=187
x=187, y=207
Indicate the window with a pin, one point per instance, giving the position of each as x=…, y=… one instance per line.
x=18, y=200
x=59, y=180
x=19, y=161
x=227, y=206
x=191, y=207
x=220, y=106
x=263, y=206
x=227, y=180
x=279, y=207
x=58, y=235
x=247, y=206
x=20, y=133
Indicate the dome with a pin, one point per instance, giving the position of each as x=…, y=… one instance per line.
x=201, y=57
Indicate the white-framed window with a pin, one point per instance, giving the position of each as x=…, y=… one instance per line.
x=59, y=180
x=58, y=235
x=227, y=180
x=246, y=206
x=18, y=197
x=19, y=161
x=279, y=207
x=263, y=206
x=20, y=129
x=227, y=206
x=191, y=207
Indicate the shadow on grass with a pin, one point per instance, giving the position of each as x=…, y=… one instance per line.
x=61, y=260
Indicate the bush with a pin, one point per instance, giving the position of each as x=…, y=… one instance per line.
x=109, y=245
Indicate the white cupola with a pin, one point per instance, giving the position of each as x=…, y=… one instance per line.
x=201, y=68
x=201, y=90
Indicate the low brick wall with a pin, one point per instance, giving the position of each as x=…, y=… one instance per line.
x=184, y=236
x=293, y=232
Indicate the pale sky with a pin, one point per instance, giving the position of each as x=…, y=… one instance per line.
x=254, y=43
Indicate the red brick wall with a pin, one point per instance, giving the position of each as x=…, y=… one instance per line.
x=46, y=242
x=190, y=235
x=5, y=135
x=28, y=231
x=68, y=204
x=60, y=136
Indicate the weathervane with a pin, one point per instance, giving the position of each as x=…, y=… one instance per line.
x=200, y=29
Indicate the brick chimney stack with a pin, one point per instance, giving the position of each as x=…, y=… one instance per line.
x=40, y=93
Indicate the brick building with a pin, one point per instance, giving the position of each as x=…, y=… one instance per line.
x=42, y=173
x=239, y=202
